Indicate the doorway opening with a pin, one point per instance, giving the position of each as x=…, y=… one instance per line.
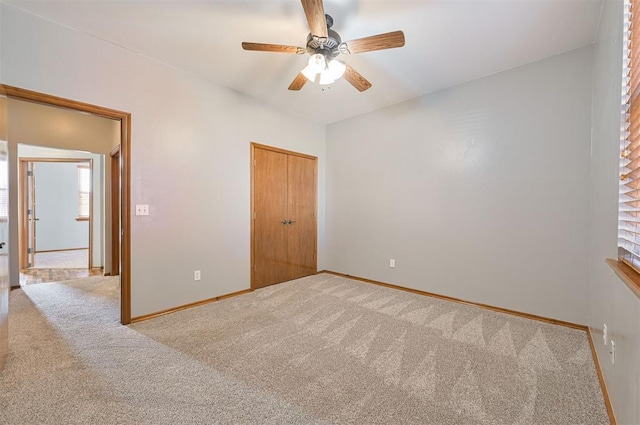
x=123, y=119
x=61, y=214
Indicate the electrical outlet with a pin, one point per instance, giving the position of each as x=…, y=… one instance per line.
x=196, y=275
x=612, y=352
x=605, y=334
x=392, y=263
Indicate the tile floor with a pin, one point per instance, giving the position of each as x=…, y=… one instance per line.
x=58, y=266
x=31, y=276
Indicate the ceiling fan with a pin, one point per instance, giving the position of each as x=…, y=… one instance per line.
x=324, y=45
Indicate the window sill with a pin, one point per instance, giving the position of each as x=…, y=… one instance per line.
x=627, y=274
x=82, y=219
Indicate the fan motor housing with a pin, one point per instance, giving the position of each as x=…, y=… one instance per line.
x=327, y=48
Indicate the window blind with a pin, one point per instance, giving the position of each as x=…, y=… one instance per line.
x=629, y=196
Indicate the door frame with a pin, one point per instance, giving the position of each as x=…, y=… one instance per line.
x=25, y=193
x=253, y=147
x=125, y=177
x=115, y=212
x=23, y=217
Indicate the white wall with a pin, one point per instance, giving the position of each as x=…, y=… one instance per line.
x=478, y=192
x=56, y=194
x=190, y=155
x=99, y=250
x=610, y=300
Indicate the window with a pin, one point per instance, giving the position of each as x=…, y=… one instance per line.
x=84, y=191
x=627, y=266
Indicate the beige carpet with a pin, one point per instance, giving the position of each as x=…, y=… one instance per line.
x=322, y=349
x=71, y=362
x=70, y=259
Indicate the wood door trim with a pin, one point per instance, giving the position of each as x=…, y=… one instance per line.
x=274, y=149
x=91, y=215
x=47, y=99
x=252, y=216
x=125, y=181
x=115, y=211
x=23, y=218
x=315, y=208
x=253, y=147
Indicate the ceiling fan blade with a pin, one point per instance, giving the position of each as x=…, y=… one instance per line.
x=276, y=48
x=356, y=80
x=389, y=40
x=298, y=82
x=314, y=10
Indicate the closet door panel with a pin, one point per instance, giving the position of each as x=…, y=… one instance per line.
x=301, y=211
x=270, y=255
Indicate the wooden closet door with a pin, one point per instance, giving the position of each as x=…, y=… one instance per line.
x=284, y=230
x=301, y=240
x=270, y=211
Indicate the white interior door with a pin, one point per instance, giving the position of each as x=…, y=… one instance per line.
x=31, y=215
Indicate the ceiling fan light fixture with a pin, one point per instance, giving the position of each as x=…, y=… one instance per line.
x=336, y=69
x=321, y=72
x=317, y=64
x=324, y=45
x=325, y=79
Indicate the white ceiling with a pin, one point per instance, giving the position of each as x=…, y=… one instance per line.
x=448, y=42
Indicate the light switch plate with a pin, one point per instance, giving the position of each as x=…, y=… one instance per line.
x=142, y=209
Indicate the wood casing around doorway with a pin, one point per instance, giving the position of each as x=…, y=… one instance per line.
x=283, y=215
x=125, y=157
x=115, y=212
